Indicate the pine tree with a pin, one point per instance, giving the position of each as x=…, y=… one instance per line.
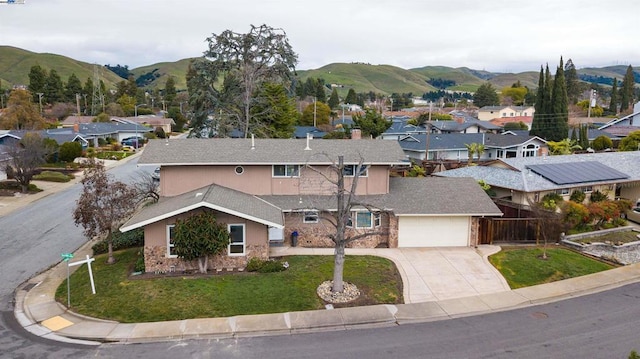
x=560, y=108
x=351, y=97
x=571, y=79
x=613, y=103
x=170, y=92
x=54, y=89
x=486, y=95
x=73, y=87
x=37, y=80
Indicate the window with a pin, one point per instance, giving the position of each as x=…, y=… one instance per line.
x=536, y=197
x=350, y=170
x=587, y=189
x=563, y=191
x=236, y=239
x=171, y=247
x=310, y=216
x=239, y=170
x=377, y=219
x=286, y=170
x=363, y=219
x=529, y=150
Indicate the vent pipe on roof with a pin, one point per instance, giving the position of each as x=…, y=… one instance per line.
x=308, y=139
x=253, y=142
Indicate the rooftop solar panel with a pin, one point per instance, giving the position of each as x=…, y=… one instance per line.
x=577, y=172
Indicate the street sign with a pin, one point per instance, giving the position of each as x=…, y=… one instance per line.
x=66, y=256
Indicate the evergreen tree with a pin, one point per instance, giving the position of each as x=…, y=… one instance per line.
x=372, y=123
x=54, y=88
x=351, y=97
x=548, y=91
x=73, y=87
x=613, y=103
x=275, y=113
x=538, y=122
x=37, y=81
x=320, y=93
x=572, y=81
x=334, y=100
x=170, y=92
x=486, y=95
x=560, y=108
x=626, y=92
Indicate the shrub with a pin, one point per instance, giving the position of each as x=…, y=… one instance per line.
x=69, y=151
x=266, y=266
x=551, y=200
x=597, y=196
x=139, y=265
x=159, y=132
x=52, y=176
x=121, y=240
x=601, y=143
x=577, y=196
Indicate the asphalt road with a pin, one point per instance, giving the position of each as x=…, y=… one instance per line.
x=601, y=325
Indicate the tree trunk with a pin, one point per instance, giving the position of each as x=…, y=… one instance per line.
x=338, y=268
x=110, y=259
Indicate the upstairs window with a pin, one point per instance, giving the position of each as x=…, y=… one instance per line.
x=286, y=170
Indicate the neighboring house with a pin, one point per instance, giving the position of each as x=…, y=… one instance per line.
x=118, y=131
x=488, y=113
x=264, y=190
x=616, y=174
x=502, y=121
x=305, y=131
x=453, y=146
x=622, y=127
x=60, y=135
x=461, y=123
x=149, y=121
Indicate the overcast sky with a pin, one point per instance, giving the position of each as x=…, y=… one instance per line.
x=493, y=35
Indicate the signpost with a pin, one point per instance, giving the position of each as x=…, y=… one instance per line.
x=66, y=257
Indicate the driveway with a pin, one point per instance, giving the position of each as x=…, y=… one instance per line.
x=431, y=274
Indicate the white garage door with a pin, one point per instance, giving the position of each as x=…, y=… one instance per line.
x=433, y=231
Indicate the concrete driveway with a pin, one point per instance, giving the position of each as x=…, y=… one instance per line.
x=431, y=274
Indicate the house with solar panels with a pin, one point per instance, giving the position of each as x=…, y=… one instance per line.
x=616, y=174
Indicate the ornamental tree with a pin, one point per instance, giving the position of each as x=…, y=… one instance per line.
x=200, y=236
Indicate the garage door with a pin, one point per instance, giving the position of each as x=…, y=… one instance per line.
x=433, y=231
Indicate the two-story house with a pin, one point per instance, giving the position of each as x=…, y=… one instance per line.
x=488, y=113
x=267, y=189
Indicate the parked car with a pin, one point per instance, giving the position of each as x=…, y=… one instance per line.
x=634, y=213
x=156, y=174
x=135, y=142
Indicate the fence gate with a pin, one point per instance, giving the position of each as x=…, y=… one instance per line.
x=514, y=230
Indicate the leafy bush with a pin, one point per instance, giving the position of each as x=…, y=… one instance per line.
x=601, y=143
x=139, y=265
x=551, y=200
x=597, y=196
x=121, y=240
x=52, y=176
x=69, y=151
x=266, y=266
x=577, y=196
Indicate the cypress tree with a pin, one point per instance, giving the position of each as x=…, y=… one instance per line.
x=538, y=116
x=560, y=107
x=626, y=93
x=613, y=103
x=571, y=79
x=334, y=100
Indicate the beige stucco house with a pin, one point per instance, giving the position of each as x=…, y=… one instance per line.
x=488, y=113
x=267, y=189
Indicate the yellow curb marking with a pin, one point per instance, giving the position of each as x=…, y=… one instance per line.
x=56, y=323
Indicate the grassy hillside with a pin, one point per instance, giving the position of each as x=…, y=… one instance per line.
x=528, y=79
x=465, y=79
x=383, y=79
x=15, y=65
x=160, y=72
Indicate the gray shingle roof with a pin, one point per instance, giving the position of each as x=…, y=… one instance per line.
x=410, y=196
x=219, y=198
x=519, y=178
x=457, y=141
x=225, y=151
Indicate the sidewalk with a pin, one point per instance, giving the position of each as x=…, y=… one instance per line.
x=38, y=312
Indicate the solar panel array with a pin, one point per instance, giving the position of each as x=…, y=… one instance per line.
x=577, y=172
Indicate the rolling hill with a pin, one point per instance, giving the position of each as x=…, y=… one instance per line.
x=16, y=63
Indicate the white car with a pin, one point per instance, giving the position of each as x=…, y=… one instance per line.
x=633, y=214
x=156, y=174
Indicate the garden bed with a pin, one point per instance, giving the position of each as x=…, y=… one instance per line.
x=620, y=245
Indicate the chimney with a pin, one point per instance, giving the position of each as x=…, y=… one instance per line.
x=76, y=127
x=356, y=134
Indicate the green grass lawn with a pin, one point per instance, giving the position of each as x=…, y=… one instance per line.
x=135, y=299
x=523, y=267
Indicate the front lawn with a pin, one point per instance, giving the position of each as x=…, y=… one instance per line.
x=523, y=267
x=134, y=299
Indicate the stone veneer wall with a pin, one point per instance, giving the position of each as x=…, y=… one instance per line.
x=156, y=261
x=315, y=235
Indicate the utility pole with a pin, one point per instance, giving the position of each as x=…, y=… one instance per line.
x=314, y=112
x=40, y=101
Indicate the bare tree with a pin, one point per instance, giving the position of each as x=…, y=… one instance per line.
x=146, y=188
x=103, y=204
x=550, y=223
x=339, y=219
x=26, y=156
